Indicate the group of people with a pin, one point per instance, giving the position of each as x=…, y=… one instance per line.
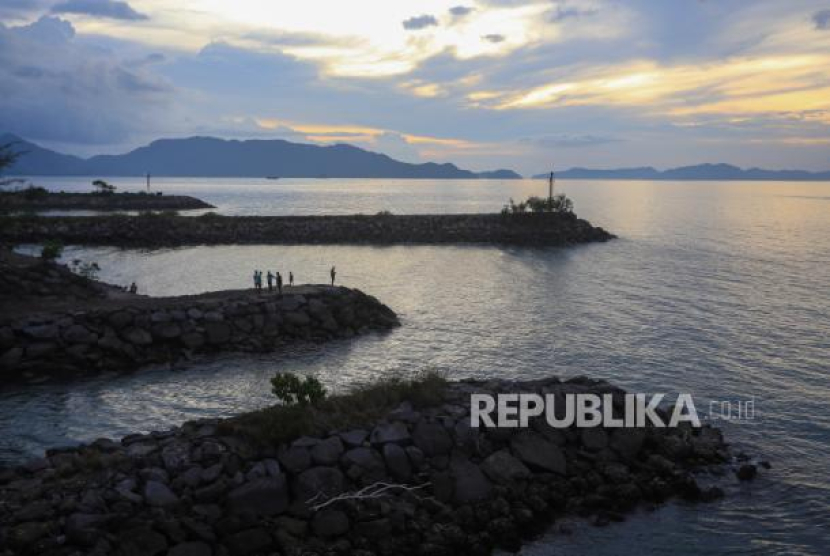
x=272, y=280
x=276, y=279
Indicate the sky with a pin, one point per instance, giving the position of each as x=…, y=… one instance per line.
x=528, y=85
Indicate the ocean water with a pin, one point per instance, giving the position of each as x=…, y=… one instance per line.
x=717, y=289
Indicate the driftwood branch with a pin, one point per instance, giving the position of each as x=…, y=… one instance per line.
x=370, y=492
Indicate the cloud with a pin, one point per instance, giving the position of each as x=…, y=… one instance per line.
x=112, y=9
x=566, y=141
x=419, y=22
x=494, y=38
x=822, y=20
x=560, y=13
x=57, y=88
x=460, y=11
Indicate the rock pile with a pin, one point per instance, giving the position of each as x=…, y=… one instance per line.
x=527, y=229
x=128, y=334
x=419, y=480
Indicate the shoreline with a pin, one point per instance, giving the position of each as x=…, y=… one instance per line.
x=162, y=230
x=301, y=478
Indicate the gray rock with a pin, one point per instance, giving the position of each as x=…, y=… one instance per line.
x=194, y=313
x=330, y=523
x=354, y=438
x=627, y=442
x=160, y=316
x=416, y=457
x=397, y=462
x=120, y=319
x=470, y=483
x=158, y=494
x=502, y=467
x=212, y=473
x=328, y=451
x=77, y=334
x=41, y=331
x=250, y=541
x=367, y=462
x=432, y=439
x=83, y=528
x=538, y=452
x=176, y=456
x=265, y=496
x=295, y=459
x=319, y=481
x=217, y=332
x=193, y=340
x=297, y=318
x=594, y=438
x=390, y=432
x=193, y=548
x=137, y=336
x=167, y=330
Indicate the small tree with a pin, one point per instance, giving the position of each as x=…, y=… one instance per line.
x=103, y=187
x=8, y=156
x=291, y=390
x=52, y=249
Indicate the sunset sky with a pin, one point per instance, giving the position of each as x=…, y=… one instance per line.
x=483, y=84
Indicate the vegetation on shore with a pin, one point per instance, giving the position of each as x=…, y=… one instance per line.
x=360, y=406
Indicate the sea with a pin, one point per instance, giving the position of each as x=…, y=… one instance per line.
x=716, y=289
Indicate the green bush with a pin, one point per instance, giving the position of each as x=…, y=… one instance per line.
x=33, y=193
x=291, y=390
x=103, y=187
x=52, y=249
x=559, y=203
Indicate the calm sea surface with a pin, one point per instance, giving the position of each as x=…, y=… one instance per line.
x=718, y=289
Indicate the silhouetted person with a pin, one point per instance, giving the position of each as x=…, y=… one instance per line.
x=333, y=273
x=258, y=280
x=290, y=278
x=279, y=283
x=270, y=277
x=133, y=288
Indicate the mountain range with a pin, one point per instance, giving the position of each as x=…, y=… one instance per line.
x=212, y=157
x=697, y=172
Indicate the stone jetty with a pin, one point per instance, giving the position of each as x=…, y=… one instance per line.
x=37, y=199
x=391, y=469
x=158, y=230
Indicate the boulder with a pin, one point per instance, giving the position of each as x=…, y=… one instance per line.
x=217, y=332
x=502, y=467
x=158, y=494
x=328, y=451
x=354, y=438
x=538, y=452
x=77, y=334
x=192, y=548
x=432, y=439
x=390, y=432
x=137, y=336
x=594, y=438
x=265, y=496
x=470, y=483
x=319, y=482
x=330, y=523
x=295, y=459
x=250, y=541
x=397, y=462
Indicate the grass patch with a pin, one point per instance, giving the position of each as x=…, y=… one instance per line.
x=360, y=407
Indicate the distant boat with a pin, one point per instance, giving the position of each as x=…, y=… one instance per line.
x=272, y=177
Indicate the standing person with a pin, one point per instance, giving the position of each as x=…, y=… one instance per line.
x=259, y=280
x=290, y=278
x=270, y=277
x=133, y=288
x=333, y=273
x=256, y=277
x=279, y=283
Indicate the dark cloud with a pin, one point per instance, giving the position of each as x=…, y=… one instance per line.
x=494, y=38
x=560, y=13
x=460, y=11
x=57, y=88
x=822, y=20
x=112, y=9
x=420, y=22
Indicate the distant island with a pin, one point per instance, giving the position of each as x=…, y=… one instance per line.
x=212, y=157
x=697, y=172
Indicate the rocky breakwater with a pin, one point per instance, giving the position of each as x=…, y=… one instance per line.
x=127, y=333
x=37, y=199
x=391, y=469
x=545, y=229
